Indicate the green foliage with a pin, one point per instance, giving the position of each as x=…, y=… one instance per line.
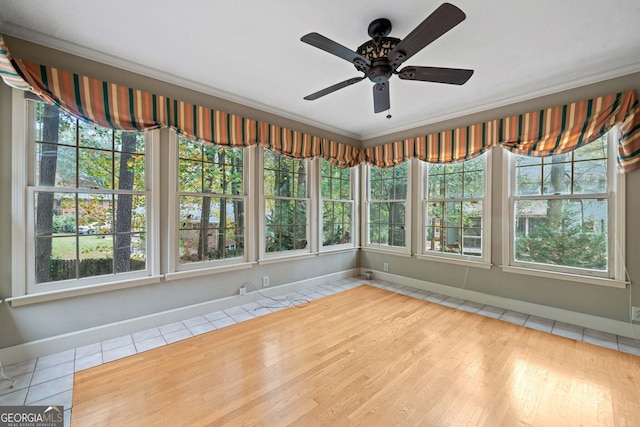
x=286, y=204
x=336, y=204
x=387, y=206
x=64, y=224
x=564, y=243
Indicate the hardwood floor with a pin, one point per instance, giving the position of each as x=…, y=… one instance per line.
x=365, y=357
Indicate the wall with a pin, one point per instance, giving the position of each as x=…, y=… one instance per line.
x=591, y=300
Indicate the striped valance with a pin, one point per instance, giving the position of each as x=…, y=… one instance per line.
x=554, y=130
x=545, y=132
x=119, y=107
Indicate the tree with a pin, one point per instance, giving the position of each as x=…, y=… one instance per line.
x=286, y=210
x=569, y=228
x=124, y=207
x=44, y=211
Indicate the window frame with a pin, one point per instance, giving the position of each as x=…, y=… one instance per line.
x=481, y=262
x=175, y=269
x=365, y=243
x=353, y=174
x=24, y=288
x=616, y=192
x=311, y=184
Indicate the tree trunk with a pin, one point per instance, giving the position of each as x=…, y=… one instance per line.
x=222, y=225
x=124, y=206
x=238, y=212
x=554, y=215
x=203, y=241
x=44, y=211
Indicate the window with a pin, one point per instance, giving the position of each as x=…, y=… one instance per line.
x=565, y=211
x=286, y=204
x=88, y=202
x=455, y=209
x=387, y=207
x=337, y=205
x=211, y=204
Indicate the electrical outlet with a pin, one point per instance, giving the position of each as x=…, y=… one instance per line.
x=265, y=281
x=635, y=313
x=385, y=266
x=243, y=290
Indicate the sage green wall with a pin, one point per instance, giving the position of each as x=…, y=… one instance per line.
x=612, y=303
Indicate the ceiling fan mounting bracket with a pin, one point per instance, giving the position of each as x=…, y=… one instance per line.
x=380, y=27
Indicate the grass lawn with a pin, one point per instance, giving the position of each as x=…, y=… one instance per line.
x=95, y=247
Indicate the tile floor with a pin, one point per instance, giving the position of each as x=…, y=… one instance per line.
x=49, y=379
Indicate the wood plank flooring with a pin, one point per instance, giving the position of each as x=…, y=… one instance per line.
x=365, y=357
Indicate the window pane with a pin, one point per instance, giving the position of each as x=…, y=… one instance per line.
x=336, y=220
x=54, y=125
x=86, y=233
x=435, y=187
x=55, y=165
x=129, y=171
x=55, y=258
x=563, y=232
x=594, y=150
x=528, y=179
x=94, y=137
x=286, y=218
x=336, y=214
x=453, y=185
x=190, y=176
x=95, y=169
x=590, y=177
x=557, y=178
x=211, y=220
x=474, y=184
x=453, y=217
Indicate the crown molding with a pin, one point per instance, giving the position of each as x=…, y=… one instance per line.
x=36, y=37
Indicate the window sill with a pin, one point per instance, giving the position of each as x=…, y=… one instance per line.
x=82, y=290
x=285, y=258
x=600, y=281
x=337, y=250
x=196, y=272
x=398, y=252
x=466, y=262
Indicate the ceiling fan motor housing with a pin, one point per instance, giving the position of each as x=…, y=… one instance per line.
x=377, y=50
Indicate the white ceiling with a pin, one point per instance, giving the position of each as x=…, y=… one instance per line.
x=249, y=51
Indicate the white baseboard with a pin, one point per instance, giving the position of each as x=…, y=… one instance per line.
x=34, y=349
x=603, y=324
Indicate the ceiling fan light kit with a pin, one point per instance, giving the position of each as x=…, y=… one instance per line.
x=380, y=57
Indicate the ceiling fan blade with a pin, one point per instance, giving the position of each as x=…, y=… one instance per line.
x=328, y=45
x=454, y=76
x=333, y=88
x=439, y=22
x=381, y=100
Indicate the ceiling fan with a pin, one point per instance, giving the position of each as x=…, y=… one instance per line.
x=380, y=57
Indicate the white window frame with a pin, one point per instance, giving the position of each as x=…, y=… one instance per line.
x=481, y=262
x=265, y=257
x=366, y=245
x=616, y=276
x=24, y=289
x=175, y=269
x=354, y=214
